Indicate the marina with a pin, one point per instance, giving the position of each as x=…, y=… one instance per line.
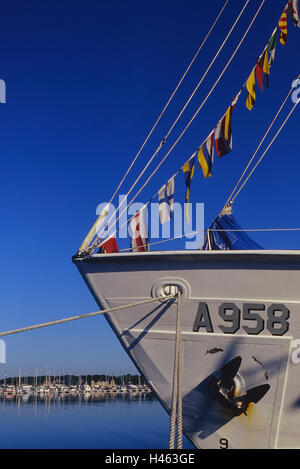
x=51, y=388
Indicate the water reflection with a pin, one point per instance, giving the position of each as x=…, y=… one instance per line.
x=83, y=420
x=56, y=400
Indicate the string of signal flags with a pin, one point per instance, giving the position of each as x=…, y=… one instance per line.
x=221, y=136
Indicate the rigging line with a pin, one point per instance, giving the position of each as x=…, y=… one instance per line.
x=196, y=113
x=83, y=316
x=180, y=114
x=260, y=230
x=92, y=231
x=267, y=149
x=258, y=147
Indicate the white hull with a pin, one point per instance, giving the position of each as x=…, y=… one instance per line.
x=253, y=288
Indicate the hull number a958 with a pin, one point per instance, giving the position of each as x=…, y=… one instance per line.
x=253, y=318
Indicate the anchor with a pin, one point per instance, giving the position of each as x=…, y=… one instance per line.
x=225, y=388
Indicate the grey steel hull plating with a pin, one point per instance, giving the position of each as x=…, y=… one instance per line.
x=235, y=304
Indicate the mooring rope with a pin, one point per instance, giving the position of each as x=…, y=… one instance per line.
x=83, y=316
x=176, y=405
x=179, y=378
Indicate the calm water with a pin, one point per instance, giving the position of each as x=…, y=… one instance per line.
x=123, y=421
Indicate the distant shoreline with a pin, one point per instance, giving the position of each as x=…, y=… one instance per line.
x=71, y=379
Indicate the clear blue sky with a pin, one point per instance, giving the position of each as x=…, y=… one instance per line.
x=85, y=82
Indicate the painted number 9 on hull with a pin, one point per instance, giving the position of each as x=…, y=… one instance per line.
x=274, y=318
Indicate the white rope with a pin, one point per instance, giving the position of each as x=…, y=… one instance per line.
x=208, y=238
x=176, y=405
x=191, y=120
x=179, y=374
x=177, y=119
x=173, y=405
x=83, y=316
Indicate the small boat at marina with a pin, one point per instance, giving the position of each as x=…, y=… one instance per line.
x=10, y=390
x=26, y=389
x=73, y=389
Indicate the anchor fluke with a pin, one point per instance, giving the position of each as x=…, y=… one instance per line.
x=225, y=388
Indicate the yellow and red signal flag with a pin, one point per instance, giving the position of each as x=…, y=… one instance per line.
x=263, y=71
x=282, y=25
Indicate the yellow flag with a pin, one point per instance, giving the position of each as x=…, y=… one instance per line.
x=250, y=85
x=282, y=24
